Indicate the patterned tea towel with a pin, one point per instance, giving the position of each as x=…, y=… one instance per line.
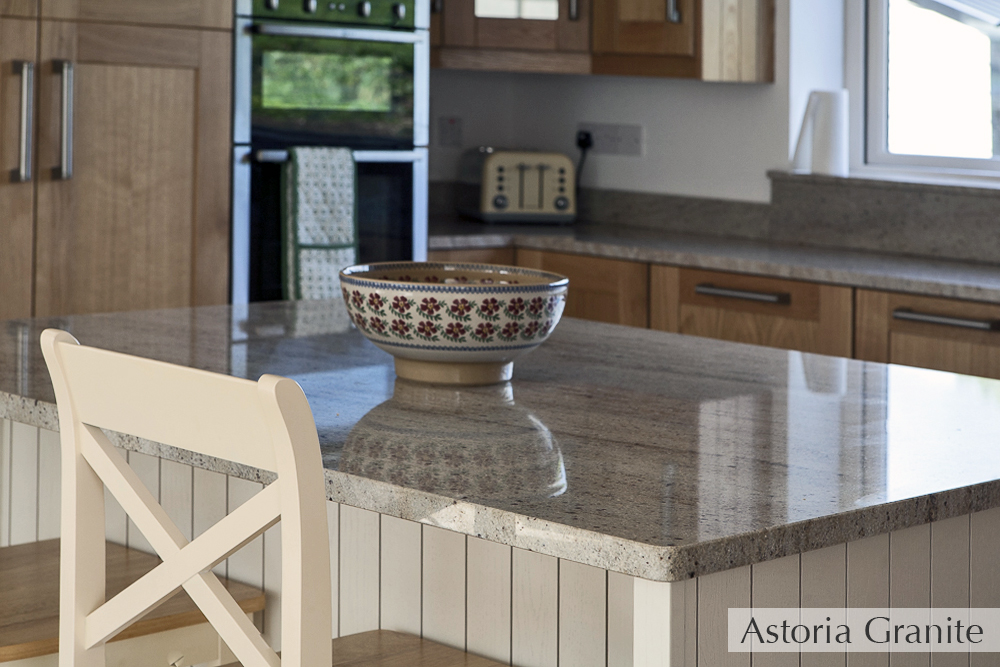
x=318, y=220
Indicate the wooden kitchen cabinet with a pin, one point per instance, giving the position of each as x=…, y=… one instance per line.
x=17, y=198
x=460, y=40
x=790, y=314
x=143, y=220
x=475, y=255
x=931, y=332
x=605, y=290
x=19, y=8
x=712, y=40
x=184, y=13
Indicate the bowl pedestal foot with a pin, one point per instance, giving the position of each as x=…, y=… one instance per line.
x=436, y=372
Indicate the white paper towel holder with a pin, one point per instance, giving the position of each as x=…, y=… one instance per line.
x=823, y=146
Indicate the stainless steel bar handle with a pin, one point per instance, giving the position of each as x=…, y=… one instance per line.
x=437, y=6
x=574, y=10
x=946, y=320
x=357, y=34
x=27, y=71
x=65, y=68
x=270, y=156
x=747, y=295
x=673, y=11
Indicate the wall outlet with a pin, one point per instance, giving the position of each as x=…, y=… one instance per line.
x=450, y=132
x=611, y=139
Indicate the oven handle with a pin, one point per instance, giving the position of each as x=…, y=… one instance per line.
x=269, y=156
x=357, y=34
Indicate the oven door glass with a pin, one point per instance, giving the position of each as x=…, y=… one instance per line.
x=311, y=91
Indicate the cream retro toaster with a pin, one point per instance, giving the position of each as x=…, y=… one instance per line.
x=527, y=187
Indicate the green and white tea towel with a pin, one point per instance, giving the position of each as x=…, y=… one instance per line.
x=319, y=221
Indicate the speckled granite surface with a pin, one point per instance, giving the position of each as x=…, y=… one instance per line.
x=652, y=454
x=874, y=270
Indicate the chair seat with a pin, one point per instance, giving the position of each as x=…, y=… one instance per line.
x=384, y=648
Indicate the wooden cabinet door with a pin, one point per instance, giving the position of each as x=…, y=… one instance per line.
x=17, y=43
x=930, y=332
x=184, y=13
x=644, y=27
x=789, y=314
x=21, y=8
x=605, y=290
x=503, y=256
x=143, y=222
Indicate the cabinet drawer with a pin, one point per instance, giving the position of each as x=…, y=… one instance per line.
x=789, y=314
x=931, y=332
x=605, y=290
x=475, y=255
x=180, y=13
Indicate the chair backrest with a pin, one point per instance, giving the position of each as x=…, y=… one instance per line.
x=265, y=424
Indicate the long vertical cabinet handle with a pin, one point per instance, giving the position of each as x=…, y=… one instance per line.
x=27, y=71
x=673, y=11
x=574, y=10
x=65, y=68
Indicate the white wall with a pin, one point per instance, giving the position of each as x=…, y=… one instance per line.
x=701, y=139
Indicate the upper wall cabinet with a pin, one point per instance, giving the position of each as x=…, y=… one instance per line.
x=182, y=13
x=511, y=35
x=711, y=40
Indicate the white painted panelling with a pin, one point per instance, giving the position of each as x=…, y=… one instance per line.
x=444, y=586
x=776, y=584
x=582, y=615
x=621, y=604
x=23, y=484
x=950, y=578
x=487, y=629
x=272, y=586
x=984, y=547
x=867, y=587
x=824, y=584
x=5, y=426
x=400, y=554
x=534, y=609
x=716, y=594
x=359, y=575
x=49, y=490
x=333, y=524
x=210, y=503
x=910, y=580
x=665, y=629
x=148, y=470
x=247, y=564
x=176, y=494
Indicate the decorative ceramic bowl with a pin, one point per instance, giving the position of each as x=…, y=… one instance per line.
x=453, y=323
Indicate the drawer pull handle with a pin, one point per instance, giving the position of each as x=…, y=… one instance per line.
x=962, y=322
x=574, y=10
x=27, y=71
x=65, y=170
x=673, y=11
x=747, y=295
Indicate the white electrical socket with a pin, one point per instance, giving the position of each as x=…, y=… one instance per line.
x=613, y=139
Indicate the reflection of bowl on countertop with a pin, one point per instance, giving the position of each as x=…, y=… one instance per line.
x=471, y=442
x=453, y=323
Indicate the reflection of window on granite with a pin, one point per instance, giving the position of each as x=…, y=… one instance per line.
x=933, y=97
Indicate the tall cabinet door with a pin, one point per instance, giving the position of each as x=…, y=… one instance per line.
x=17, y=45
x=133, y=168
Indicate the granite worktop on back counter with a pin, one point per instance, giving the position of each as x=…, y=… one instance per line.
x=854, y=268
x=652, y=454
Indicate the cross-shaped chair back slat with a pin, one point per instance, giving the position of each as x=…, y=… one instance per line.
x=266, y=424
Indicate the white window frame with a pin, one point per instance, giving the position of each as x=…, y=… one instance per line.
x=865, y=74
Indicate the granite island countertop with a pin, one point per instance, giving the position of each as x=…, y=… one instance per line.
x=652, y=454
x=853, y=268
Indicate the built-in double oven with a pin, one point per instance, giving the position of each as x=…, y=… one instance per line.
x=318, y=73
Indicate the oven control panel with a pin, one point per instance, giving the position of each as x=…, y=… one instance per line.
x=374, y=13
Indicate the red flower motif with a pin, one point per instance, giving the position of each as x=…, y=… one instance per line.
x=400, y=327
x=461, y=306
x=490, y=306
x=485, y=330
x=536, y=306
x=510, y=329
x=359, y=321
x=516, y=306
x=357, y=299
x=400, y=304
x=430, y=306
x=375, y=301
x=530, y=330
x=432, y=279
x=427, y=329
x=455, y=330
x=545, y=327
x=377, y=324
x=551, y=305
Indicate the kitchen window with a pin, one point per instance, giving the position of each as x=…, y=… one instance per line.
x=926, y=99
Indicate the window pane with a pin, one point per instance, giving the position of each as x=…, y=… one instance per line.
x=546, y=10
x=940, y=99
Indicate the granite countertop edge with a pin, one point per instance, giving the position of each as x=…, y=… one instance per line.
x=646, y=561
x=852, y=268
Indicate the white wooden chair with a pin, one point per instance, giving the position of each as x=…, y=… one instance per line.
x=265, y=424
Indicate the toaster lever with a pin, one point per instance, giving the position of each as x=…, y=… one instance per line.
x=541, y=185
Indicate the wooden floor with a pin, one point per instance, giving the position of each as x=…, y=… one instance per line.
x=29, y=598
